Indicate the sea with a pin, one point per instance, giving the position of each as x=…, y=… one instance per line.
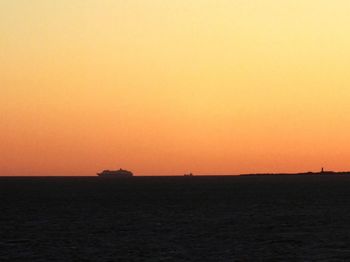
x=199, y=218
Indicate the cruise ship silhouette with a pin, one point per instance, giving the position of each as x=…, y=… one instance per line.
x=115, y=173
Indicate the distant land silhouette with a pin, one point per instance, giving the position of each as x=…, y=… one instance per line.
x=322, y=172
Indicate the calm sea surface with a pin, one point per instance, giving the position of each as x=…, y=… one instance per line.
x=267, y=218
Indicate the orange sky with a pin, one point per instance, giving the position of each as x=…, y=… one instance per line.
x=167, y=87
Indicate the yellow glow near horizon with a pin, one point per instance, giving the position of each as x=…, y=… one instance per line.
x=166, y=87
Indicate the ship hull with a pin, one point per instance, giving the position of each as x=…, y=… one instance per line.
x=113, y=175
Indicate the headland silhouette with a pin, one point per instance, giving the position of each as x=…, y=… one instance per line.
x=321, y=172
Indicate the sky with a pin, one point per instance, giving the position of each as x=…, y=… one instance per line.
x=167, y=87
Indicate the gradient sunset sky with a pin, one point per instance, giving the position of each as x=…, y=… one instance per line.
x=164, y=87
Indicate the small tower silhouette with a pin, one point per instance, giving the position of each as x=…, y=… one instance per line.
x=322, y=170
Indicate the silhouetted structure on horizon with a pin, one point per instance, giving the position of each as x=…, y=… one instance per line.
x=115, y=173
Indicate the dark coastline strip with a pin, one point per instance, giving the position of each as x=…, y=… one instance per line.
x=298, y=174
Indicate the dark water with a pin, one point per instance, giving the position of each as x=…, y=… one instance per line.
x=282, y=218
